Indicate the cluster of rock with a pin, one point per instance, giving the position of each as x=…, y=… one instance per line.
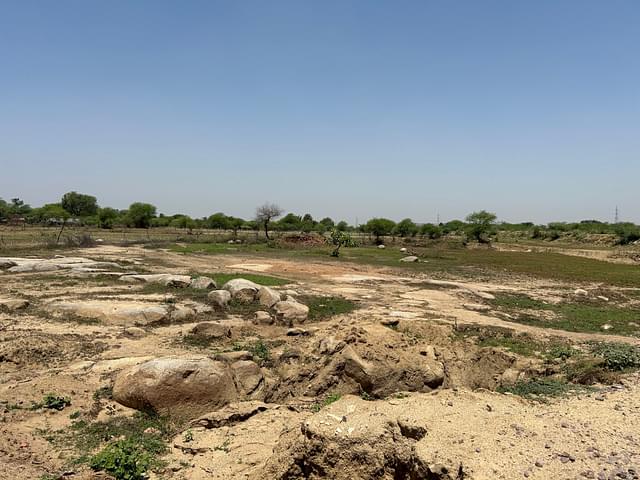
x=285, y=311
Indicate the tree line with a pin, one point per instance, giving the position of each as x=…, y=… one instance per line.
x=83, y=209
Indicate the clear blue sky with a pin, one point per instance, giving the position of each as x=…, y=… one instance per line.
x=530, y=109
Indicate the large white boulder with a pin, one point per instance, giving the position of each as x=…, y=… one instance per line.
x=289, y=311
x=220, y=298
x=242, y=290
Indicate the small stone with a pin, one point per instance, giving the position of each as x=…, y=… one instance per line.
x=539, y=464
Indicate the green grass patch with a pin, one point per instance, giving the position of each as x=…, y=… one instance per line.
x=119, y=441
x=539, y=388
x=266, y=280
x=52, y=401
x=322, y=308
x=572, y=317
x=444, y=257
x=618, y=356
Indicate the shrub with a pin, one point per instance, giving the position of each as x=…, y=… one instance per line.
x=340, y=239
x=124, y=459
x=618, y=356
x=53, y=402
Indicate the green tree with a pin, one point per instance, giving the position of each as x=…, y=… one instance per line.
x=235, y=224
x=141, y=214
x=107, y=217
x=379, y=227
x=430, y=230
x=406, y=228
x=480, y=225
x=339, y=239
x=218, y=221
x=17, y=207
x=290, y=223
x=342, y=226
x=79, y=205
x=4, y=209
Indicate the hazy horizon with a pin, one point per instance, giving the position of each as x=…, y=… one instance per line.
x=346, y=109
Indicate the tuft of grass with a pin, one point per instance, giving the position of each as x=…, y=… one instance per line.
x=52, y=401
x=538, y=388
x=321, y=308
x=198, y=341
x=328, y=400
x=259, y=349
x=140, y=439
x=103, y=392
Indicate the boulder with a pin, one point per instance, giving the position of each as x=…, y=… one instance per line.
x=220, y=298
x=263, y=318
x=409, y=259
x=232, y=357
x=248, y=376
x=134, y=332
x=13, y=304
x=268, y=297
x=297, y=331
x=6, y=263
x=290, y=311
x=182, y=387
x=330, y=345
x=166, y=279
x=381, y=247
x=180, y=313
x=211, y=330
x=242, y=290
x=203, y=283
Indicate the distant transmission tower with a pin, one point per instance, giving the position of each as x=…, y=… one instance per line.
x=617, y=220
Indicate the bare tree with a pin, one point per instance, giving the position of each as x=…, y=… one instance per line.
x=266, y=213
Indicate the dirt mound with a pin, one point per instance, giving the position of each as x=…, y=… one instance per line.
x=349, y=441
x=302, y=240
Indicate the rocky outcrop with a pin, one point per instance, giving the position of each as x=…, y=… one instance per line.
x=116, y=313
x=166, y=279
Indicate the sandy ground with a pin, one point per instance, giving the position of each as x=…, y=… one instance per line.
x=491, y=435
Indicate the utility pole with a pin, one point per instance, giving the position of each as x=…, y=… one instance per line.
x=617, y=220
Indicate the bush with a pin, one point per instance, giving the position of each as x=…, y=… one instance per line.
x=618, y=356
x=52, y=402
x=124, y=459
